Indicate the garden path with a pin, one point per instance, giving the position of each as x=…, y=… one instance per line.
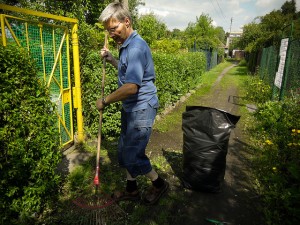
x=237, y=203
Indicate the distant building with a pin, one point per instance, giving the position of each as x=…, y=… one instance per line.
x=230, y=38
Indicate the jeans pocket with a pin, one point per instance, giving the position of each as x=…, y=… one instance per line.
x=143, y=129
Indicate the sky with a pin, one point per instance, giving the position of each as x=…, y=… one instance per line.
x=229, y=14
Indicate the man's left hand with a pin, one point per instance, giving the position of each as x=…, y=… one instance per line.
x=99, y=104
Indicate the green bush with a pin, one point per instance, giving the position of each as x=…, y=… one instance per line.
x=167, y=45
x=176, y=74
x=92, y=72
x=275, y=134
x=29, y=140
x=257, y=90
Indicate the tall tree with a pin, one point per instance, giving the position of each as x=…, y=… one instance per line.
x=202, y=33
x=84, y=10
x=220, y=34
x=151, y=28
x=271, y=28
x=289, y=7
x=251, y=33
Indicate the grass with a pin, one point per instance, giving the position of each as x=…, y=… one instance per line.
x=168, y=123
x=79, y=182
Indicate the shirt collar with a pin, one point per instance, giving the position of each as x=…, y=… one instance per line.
x=128, y=40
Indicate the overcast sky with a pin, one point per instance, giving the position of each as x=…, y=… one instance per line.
x=178, y=13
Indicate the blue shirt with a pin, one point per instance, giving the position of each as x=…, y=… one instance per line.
x=136, y=66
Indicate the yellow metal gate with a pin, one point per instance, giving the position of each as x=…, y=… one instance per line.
x=48, y=45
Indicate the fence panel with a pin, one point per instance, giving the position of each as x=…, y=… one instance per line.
x=268, y=65
x=212, y=58
x=292, y=72
x=48, y=45
x=253, y=60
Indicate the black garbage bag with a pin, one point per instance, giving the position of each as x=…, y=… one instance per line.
x=206, y=134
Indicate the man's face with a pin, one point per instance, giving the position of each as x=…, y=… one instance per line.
x=117, y=30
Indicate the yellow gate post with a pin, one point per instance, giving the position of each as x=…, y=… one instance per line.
x=3, y=28
x=77, y=88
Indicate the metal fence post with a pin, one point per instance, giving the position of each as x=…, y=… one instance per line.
x=3, y=30
x=77, y=89
x=286, y=71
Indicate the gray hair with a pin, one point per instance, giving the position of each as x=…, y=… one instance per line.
x=115, y=10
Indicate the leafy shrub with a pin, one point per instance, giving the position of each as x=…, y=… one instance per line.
x=276, y=134
x=29, y=140
x=167, y=45
x=176, y=74
x=243, y=62
x=257, y=90
x=92, y=72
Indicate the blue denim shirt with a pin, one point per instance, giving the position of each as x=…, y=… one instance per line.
x=136, y=66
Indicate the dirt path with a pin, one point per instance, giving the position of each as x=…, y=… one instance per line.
x=236, y=204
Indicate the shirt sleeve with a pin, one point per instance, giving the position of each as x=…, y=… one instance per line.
x=135, y=67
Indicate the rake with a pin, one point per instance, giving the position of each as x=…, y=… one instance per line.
x=98, y=209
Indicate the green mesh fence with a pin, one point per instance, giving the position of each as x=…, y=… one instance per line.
x=269, y=65
x=292, y=72
x=214, y=59
x=43, y=41
x=281, y=72
x=252, y=60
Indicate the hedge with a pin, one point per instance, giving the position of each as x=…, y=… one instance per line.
x=29, y=140
x=176, y=74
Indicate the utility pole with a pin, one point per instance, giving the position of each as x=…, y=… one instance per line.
x=229, y=35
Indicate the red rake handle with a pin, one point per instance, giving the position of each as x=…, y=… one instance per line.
x=96, y=179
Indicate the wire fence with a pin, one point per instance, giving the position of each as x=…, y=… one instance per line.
x=212, y=57
x=292, y=73
x=48, y=46
x=278, y=67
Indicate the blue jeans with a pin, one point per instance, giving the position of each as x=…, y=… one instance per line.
x=136, y=128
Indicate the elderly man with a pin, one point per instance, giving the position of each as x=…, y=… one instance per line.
x=138, y=94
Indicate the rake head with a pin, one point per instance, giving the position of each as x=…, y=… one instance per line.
x=94, y=202
x=98, y=210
